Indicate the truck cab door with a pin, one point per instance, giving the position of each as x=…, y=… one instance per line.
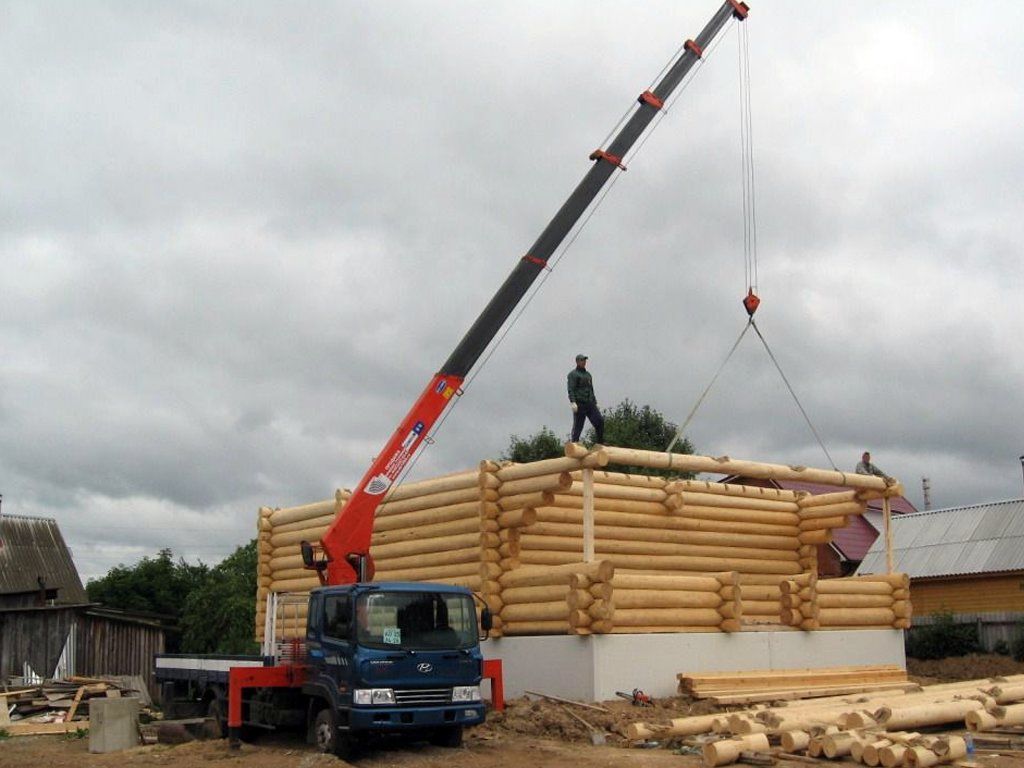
x=334, y=643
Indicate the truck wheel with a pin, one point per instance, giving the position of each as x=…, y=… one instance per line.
x=450, y=737
x=327, y=738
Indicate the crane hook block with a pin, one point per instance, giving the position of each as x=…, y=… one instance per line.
x=751, y=302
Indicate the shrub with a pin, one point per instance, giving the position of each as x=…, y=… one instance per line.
x=942, y=638
x=1001, y=647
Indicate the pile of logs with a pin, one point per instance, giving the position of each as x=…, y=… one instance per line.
x=683, y=550
x=877, y=727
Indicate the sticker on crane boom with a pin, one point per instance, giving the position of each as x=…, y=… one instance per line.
x=378, y=485
x=448, y=392
x=441, y=386
x=413, y=436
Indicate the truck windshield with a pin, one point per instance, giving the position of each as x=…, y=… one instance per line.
x=415, y=620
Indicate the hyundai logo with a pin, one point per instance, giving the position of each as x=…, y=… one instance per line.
x=424, y=668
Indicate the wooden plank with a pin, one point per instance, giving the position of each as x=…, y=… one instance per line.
x=5, y=717
x=41, y=729
x=568, y=701
x=75, y=703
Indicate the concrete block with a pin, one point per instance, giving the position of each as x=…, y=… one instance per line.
x=113, y=724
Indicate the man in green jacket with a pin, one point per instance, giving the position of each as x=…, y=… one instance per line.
x=583, y=401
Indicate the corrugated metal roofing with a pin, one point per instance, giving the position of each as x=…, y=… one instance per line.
x=982, y=538
x=33, y=547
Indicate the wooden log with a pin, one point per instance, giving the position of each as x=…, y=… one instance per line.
x=923, y=715
x=612, y=491
x=431, y=572
x=434, y=500
x=698, y=499
x=453, y=482
x=854, y=617
x=827, y=499
x=727, y=466
x=603, y=503
x=681, y=726
x=600, y=570
x=897, y=580
x=731, y=514
x=544, y=594
x=999, y=716
x=579, y=599
x=410, y=520
x=434, y=545
x=520, y=500
x=1007, y=693
x=518, y=518
x=468, y=555
x=816, y=537
x=760, y=607
x=471, y=524
x=299, y=525
x=728, y=751
x=580, y=619
x=488, y=480
x=892, y=755
x=701, y=617
x=623, y=478
x=667, y=562
x=549, y=467
x=551, y=611
x=869, y=751
x=551, y=483
x=534, y=539
x=513, y=628
x=822, y=523
x=840, y=600
x=662, y=535
x=733, y=489
x=304, y=512
x=845, y=587
x=848, y=509
x=629, y=581
x=662, y=521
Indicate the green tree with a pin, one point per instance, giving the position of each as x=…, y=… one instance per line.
x=628, y=425
x=153, y=585
x=218, y=614
x=540, y=445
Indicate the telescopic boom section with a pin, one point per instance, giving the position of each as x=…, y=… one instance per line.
x=349, y=537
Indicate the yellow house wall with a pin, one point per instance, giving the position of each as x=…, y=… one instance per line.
x=968, y=595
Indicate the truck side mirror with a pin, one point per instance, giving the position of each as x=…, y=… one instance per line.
x=486, y=620
x=307, y=554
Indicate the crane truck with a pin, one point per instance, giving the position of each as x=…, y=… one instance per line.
x=381, y=658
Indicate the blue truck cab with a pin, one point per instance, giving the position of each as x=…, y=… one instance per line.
x=396, y=657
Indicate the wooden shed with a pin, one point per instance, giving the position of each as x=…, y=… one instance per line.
x=48, y=628
x=965, y=560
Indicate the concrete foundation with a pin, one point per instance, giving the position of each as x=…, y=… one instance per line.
x=113, y=724
x=594, y=667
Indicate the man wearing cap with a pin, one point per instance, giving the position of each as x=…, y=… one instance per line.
x=583, y=401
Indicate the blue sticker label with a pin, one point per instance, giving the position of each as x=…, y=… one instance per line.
x=440, y=386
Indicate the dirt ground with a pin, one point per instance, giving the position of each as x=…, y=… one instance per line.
x=530, y=733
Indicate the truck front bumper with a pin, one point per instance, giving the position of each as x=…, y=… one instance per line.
x=411, y=718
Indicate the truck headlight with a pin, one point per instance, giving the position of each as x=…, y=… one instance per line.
x=371, y=696
x=466, y=693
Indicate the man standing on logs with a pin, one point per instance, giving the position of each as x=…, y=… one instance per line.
x=865, y=467
x=583, y=401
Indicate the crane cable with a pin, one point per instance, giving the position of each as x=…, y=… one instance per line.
x=751, y=300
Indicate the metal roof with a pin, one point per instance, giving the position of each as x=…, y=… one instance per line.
x=32, y=548
x=982, y=538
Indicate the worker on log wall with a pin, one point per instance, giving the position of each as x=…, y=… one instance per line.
x=583, y=401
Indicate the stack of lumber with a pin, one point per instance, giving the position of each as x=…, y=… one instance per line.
x=55, y=706
x=751, y=686
x=876, y=727
x=556, y=600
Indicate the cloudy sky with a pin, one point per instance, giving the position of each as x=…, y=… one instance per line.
x=238, y=239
